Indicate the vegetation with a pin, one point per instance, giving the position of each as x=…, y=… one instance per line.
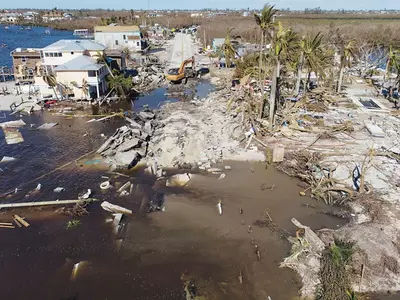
x=335, y=282
x=51, y=82
x=121, y=84
x=228, y=49
x=72, y=224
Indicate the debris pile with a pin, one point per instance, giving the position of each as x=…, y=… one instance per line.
x=129, y=144
x=149, y=76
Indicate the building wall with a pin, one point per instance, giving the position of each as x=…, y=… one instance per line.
x=119, y=40
x=28, y=61
x=66, y=77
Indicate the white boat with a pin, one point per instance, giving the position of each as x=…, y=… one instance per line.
x=83, y=33
x=47, y=31
x=6, y=27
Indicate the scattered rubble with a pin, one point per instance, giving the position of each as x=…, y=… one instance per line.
x=129, y=144
x=115, y=208
x=178, y=180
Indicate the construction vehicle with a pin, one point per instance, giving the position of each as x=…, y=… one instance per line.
x=176, y=75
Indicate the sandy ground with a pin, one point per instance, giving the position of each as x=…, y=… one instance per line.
x=21, y=100
x=375, y=225
x=199, y=133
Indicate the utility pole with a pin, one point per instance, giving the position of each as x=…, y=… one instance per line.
x=205, y=41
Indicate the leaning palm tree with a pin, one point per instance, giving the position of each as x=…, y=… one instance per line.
x=347, y=55
x=85, y=88
x=310, y=48
x=51, y=81
x=103, y=59
x=266, y=22
x=228, y=49
x=284, y=48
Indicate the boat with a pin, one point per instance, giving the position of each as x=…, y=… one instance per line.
x=47, y=31
x=83, y=33
x=6, y=27
x=28, y=28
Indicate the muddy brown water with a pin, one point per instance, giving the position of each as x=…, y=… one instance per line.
x=153, y=254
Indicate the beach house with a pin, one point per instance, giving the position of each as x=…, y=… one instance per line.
x=74, y=64
x=120, y=37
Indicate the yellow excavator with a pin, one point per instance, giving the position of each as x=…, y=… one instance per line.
x=176, y=75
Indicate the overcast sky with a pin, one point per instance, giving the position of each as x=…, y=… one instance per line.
x=199, y=4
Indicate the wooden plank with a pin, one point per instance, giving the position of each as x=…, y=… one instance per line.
x=44, y=203
x=4, y=226
x=22, y=221
x=18, y=223
x=278, y=153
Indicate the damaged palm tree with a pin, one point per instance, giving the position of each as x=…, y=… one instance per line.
x=51, y=81
x=285, y=45
x=228, y=49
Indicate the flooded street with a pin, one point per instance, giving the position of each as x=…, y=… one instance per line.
x=153, y=255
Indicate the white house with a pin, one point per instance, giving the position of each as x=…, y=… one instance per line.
x=74, y=64
x=30, y=16
x=119, y=37
x=80, y=71
x=63, y=51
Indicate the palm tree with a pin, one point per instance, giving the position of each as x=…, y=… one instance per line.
x=284, y=47
x=103, y=59
x=310, y=47
x=120, y=84
x=51, y=82
x=266, y=22
x=392, y=60
x=85, y=88
x=347, y=54
x=228, y=49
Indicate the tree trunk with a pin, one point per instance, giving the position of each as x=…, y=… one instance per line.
x=260, y=59
x=260, y=76
x=386, y=71
x=272, y=99
x=339, y=87
x=299, y=73
x=55, y=94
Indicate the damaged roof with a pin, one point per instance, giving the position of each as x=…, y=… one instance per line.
x=80, y=63
x=75, y=45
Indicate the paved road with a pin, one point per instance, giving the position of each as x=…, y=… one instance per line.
x=183, y=48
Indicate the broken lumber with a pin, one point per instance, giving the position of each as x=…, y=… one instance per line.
x=44, y=203
x=115, y=208
x=6, y=226
x=20, y=220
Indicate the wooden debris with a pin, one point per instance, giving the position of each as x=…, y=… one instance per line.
x=21, y=220
x=18, y=223
x=115, y=208
x=43, y=203
x=7, y=226
x=278, y=153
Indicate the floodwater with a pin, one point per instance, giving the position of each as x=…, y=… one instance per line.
x=16, y=37
x=153, y=255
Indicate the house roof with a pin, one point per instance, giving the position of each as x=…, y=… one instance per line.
x=116, y=28
x=79, y=63
x=75, y=45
